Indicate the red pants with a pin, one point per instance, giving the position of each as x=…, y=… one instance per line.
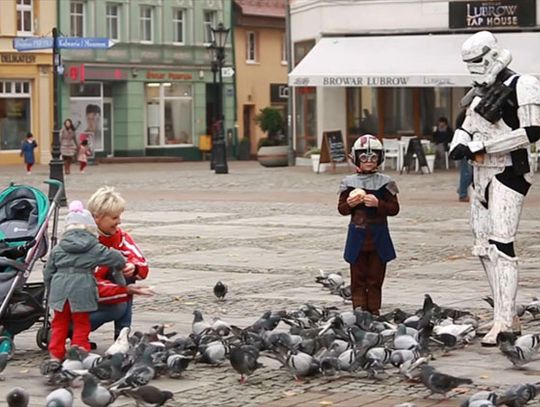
x=82, y=165
x=60, y=327
x=367, y=277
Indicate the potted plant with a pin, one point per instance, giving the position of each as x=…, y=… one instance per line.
x=244, y=149
x=273, y=150
x=315, y=154
x=430, y=157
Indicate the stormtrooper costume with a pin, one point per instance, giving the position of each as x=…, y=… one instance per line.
x=502, y=119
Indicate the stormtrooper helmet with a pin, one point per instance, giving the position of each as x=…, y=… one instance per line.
x=367, y=148
x=484, y=58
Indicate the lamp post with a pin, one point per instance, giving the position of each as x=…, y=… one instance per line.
x=219, y=36
x=212, y=52
x=56, y=165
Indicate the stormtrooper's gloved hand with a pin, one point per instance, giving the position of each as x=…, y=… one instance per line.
x=467, y=150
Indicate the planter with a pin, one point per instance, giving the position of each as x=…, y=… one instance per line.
x=273, y=156
x=315, y=158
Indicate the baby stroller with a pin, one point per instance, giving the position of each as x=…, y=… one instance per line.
x=25, y=213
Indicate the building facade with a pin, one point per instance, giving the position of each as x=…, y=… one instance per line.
x=260, y=63
x=392, y=68
x=25, y=79
x=152, y=93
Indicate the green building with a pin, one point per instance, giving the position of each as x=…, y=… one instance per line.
x=152, y=93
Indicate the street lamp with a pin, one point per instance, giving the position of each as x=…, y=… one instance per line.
x=212, y=53
x=219, y=37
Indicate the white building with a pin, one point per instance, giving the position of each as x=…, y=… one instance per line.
x=392, y=67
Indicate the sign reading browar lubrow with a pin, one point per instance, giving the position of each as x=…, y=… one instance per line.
x=492, y=14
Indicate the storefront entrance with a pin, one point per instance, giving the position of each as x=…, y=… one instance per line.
x=108, y=134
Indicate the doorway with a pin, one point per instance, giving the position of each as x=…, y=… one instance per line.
x=248, y=123
x=108, y=134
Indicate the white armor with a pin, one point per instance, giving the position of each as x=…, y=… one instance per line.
x=496, y=205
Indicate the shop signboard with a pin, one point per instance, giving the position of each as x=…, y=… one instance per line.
x=32, y=43
x=279, y=93
x=492, y=14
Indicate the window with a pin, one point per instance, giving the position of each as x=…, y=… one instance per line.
x=112, y=16
x=76, y=16
x=169, y=114
x=251, y=46
x=209, y=21
x=178, y=26
x=284, y=58
x=14, y=113
x=24, y=17
x=146, y=24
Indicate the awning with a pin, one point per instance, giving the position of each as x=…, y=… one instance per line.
x=407, y=60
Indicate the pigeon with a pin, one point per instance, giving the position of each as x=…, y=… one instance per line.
x=94, y=394
x=199, y=325
x=220, y=290
x=121, y=345
x=481, y=399
x=109, y=369
x=213, y=353
x=140, y=373
x=404, y=341
x=330, y=280
x=176, y=364
x=533, y=307
x=400, y=356
x=267, y=322
x=73, y=360
x=221, y=327
x=519, y=395
x=409, y=368
x=17, y=397
x=244, y=360
x=343, y=292
x=60, y=398
x=440, y=383
x=148, y=395
x=519, y=351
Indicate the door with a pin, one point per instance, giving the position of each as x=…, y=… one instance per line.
x=108, y=134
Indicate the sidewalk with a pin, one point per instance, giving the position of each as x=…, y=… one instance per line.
x=266, y=233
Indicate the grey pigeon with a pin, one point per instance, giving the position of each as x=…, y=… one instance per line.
x=121, y=345
x=109, y=369
x=533, y=308
x=220, y=290
x=148, y=395
x=176, y=364
x=94, y=394
x=17, y=397
x=199, y=325
x=213, y=353
x=404, y=341
x=139, y=374
x=440, y=382
x=60, y=398
x=481, y=399
x=519, y=395
x=519, y=351
x=244, y=360
x=73, y=360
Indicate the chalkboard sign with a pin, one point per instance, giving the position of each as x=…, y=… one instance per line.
x=333, y=148
x=415, y=150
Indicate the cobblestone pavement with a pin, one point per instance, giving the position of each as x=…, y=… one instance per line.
x=266, y=233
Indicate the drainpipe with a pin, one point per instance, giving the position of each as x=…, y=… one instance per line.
x=235, y=99
x=290, y=139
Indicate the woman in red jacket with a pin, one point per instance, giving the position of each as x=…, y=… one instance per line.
x=116, y=294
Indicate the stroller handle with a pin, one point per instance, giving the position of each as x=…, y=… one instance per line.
x=59, y=185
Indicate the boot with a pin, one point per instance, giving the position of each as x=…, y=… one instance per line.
x=488, y=269
x=504, y=296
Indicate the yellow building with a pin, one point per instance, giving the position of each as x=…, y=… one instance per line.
x=25, y=79
x=261, y=63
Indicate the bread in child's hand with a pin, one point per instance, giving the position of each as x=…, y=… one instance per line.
x=356, y=192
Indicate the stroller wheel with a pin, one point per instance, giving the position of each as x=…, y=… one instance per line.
x=42, y=338
x=7, y=346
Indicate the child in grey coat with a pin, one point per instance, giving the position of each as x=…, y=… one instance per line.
x=69, y=278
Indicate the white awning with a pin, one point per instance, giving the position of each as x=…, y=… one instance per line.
x=407, y=60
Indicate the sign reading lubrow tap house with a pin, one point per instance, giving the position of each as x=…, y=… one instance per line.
x=492, y=14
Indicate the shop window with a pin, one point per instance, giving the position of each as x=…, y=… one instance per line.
x=86, y=112
x=14, y=113
x=146, y=24
x=112, y=17
x=251, y=46
x=301, y=49
x=169, y=114
x=398, y=111
x=76, y=17
x=25, y=17
x=306, y=118
x=178, y=26
x=362, y=114
x=209, y=21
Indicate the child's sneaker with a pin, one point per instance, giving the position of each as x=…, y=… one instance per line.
x=29, y=173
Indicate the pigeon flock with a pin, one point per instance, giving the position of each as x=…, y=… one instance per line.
x=306, y=342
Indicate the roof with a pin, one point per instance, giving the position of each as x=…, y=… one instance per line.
x=263, y=8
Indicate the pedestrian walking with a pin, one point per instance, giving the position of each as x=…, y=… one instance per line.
x=68, y=144
x=442, y=136
x=369, y=197
x=27, y=152
x=465, y=169
x=69, y=278
x=84, y=153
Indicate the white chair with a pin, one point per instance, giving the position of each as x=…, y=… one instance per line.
x=393, y=150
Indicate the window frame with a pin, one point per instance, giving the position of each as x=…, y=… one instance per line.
x=22, y=8
x=13, y=94
x=175, y=22
x=145, y=18
x=73, y=15
x=251, y=43
x=207, y=31
x=110, y=17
